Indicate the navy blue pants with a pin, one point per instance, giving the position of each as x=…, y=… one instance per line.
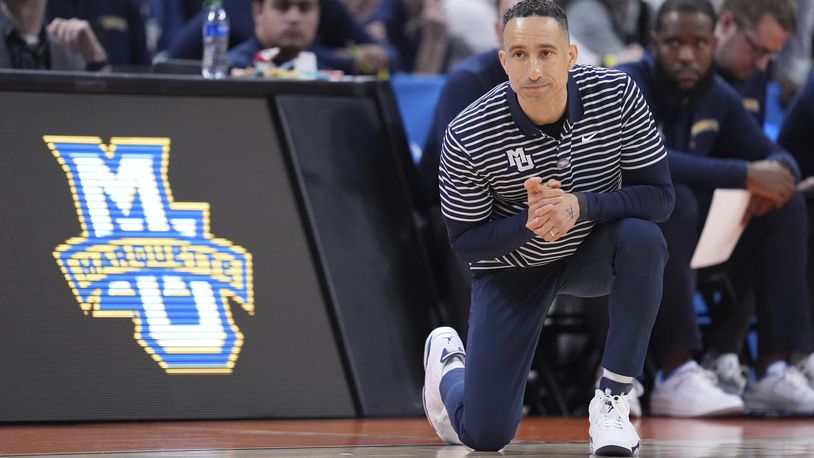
x=773, y=245
x=625, y=258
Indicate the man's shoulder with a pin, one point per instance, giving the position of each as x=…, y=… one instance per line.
x=592, y=80
x=723, y=93
x=242, y=55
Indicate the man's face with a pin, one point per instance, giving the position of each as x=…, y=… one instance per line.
x=742, y=50
x=685, y=46
x=536, y=56
x=289, y=24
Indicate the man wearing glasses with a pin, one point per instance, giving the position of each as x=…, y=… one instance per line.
x=749, y=33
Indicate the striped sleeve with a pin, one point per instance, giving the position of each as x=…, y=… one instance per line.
x=464, y=192
x=641, y=142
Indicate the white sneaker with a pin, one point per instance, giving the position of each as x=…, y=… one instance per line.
x=782, y=391
x=730, y=373
x=443, y=351
x=632, y=397
x=611, y=432
x=806, y=367
x=692, y=391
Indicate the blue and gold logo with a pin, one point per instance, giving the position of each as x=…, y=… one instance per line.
x=145, y=257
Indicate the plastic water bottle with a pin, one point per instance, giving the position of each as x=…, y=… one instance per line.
x=215, y=41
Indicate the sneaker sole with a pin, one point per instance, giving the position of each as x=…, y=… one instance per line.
x=615, y=450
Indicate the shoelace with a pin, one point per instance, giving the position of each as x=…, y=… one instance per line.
x=730, y=370
x=806, y=366
x=705, y=374
x=612, y=412
x=795, y=377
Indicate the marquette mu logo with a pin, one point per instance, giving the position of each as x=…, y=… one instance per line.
x=145, y=257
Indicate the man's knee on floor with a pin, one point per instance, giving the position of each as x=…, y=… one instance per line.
x=489, y=436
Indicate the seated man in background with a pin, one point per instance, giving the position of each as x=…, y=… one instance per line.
x=340, y=42
x=292, y=31
x=748, y=33
x=713, y=142
x=28, y=45
x=796, y=136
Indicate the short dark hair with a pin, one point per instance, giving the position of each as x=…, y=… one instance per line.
x=685, y=6
x=541, y=8
x=748, y=12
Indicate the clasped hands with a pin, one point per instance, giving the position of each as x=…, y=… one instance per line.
x=552, y=211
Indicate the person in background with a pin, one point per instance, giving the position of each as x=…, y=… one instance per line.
x=340, y=42
x=28, y=44
x=795, y=136
x=118, y=24
x=713, y=142
x=418, y=31
x=617, y=30
x=291, y=30
x=749, y=33
x=793, y=63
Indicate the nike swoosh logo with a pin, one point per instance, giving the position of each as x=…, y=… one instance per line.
x=587, y=138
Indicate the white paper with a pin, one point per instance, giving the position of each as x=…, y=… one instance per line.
x=722, y=229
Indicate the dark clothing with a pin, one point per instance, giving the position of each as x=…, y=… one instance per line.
x=709, y=147
x=401, y=31
x=797, y=132
x=753, y=92
x=337, y=29
x=118, y=24
x=467, y=81
x=625, y=258
x=46, y=54
x=797, y=135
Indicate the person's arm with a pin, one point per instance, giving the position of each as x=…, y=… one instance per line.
x=647, y=190
x=466, y=207
x=432, y=49
x=78, y=37
x=740, y=143
x=591, y=24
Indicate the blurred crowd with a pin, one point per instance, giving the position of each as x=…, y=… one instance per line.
x=353, y=36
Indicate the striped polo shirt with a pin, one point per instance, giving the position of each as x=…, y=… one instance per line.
x=492, y=147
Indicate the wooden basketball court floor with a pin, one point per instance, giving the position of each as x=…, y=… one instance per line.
x=413, y=437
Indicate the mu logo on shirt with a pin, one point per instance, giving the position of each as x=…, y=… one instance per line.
x=145, y=257
x=518, y=159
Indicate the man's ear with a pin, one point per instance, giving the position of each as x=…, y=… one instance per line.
x=573, y=53
x=502, y=56
x=725, y=23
